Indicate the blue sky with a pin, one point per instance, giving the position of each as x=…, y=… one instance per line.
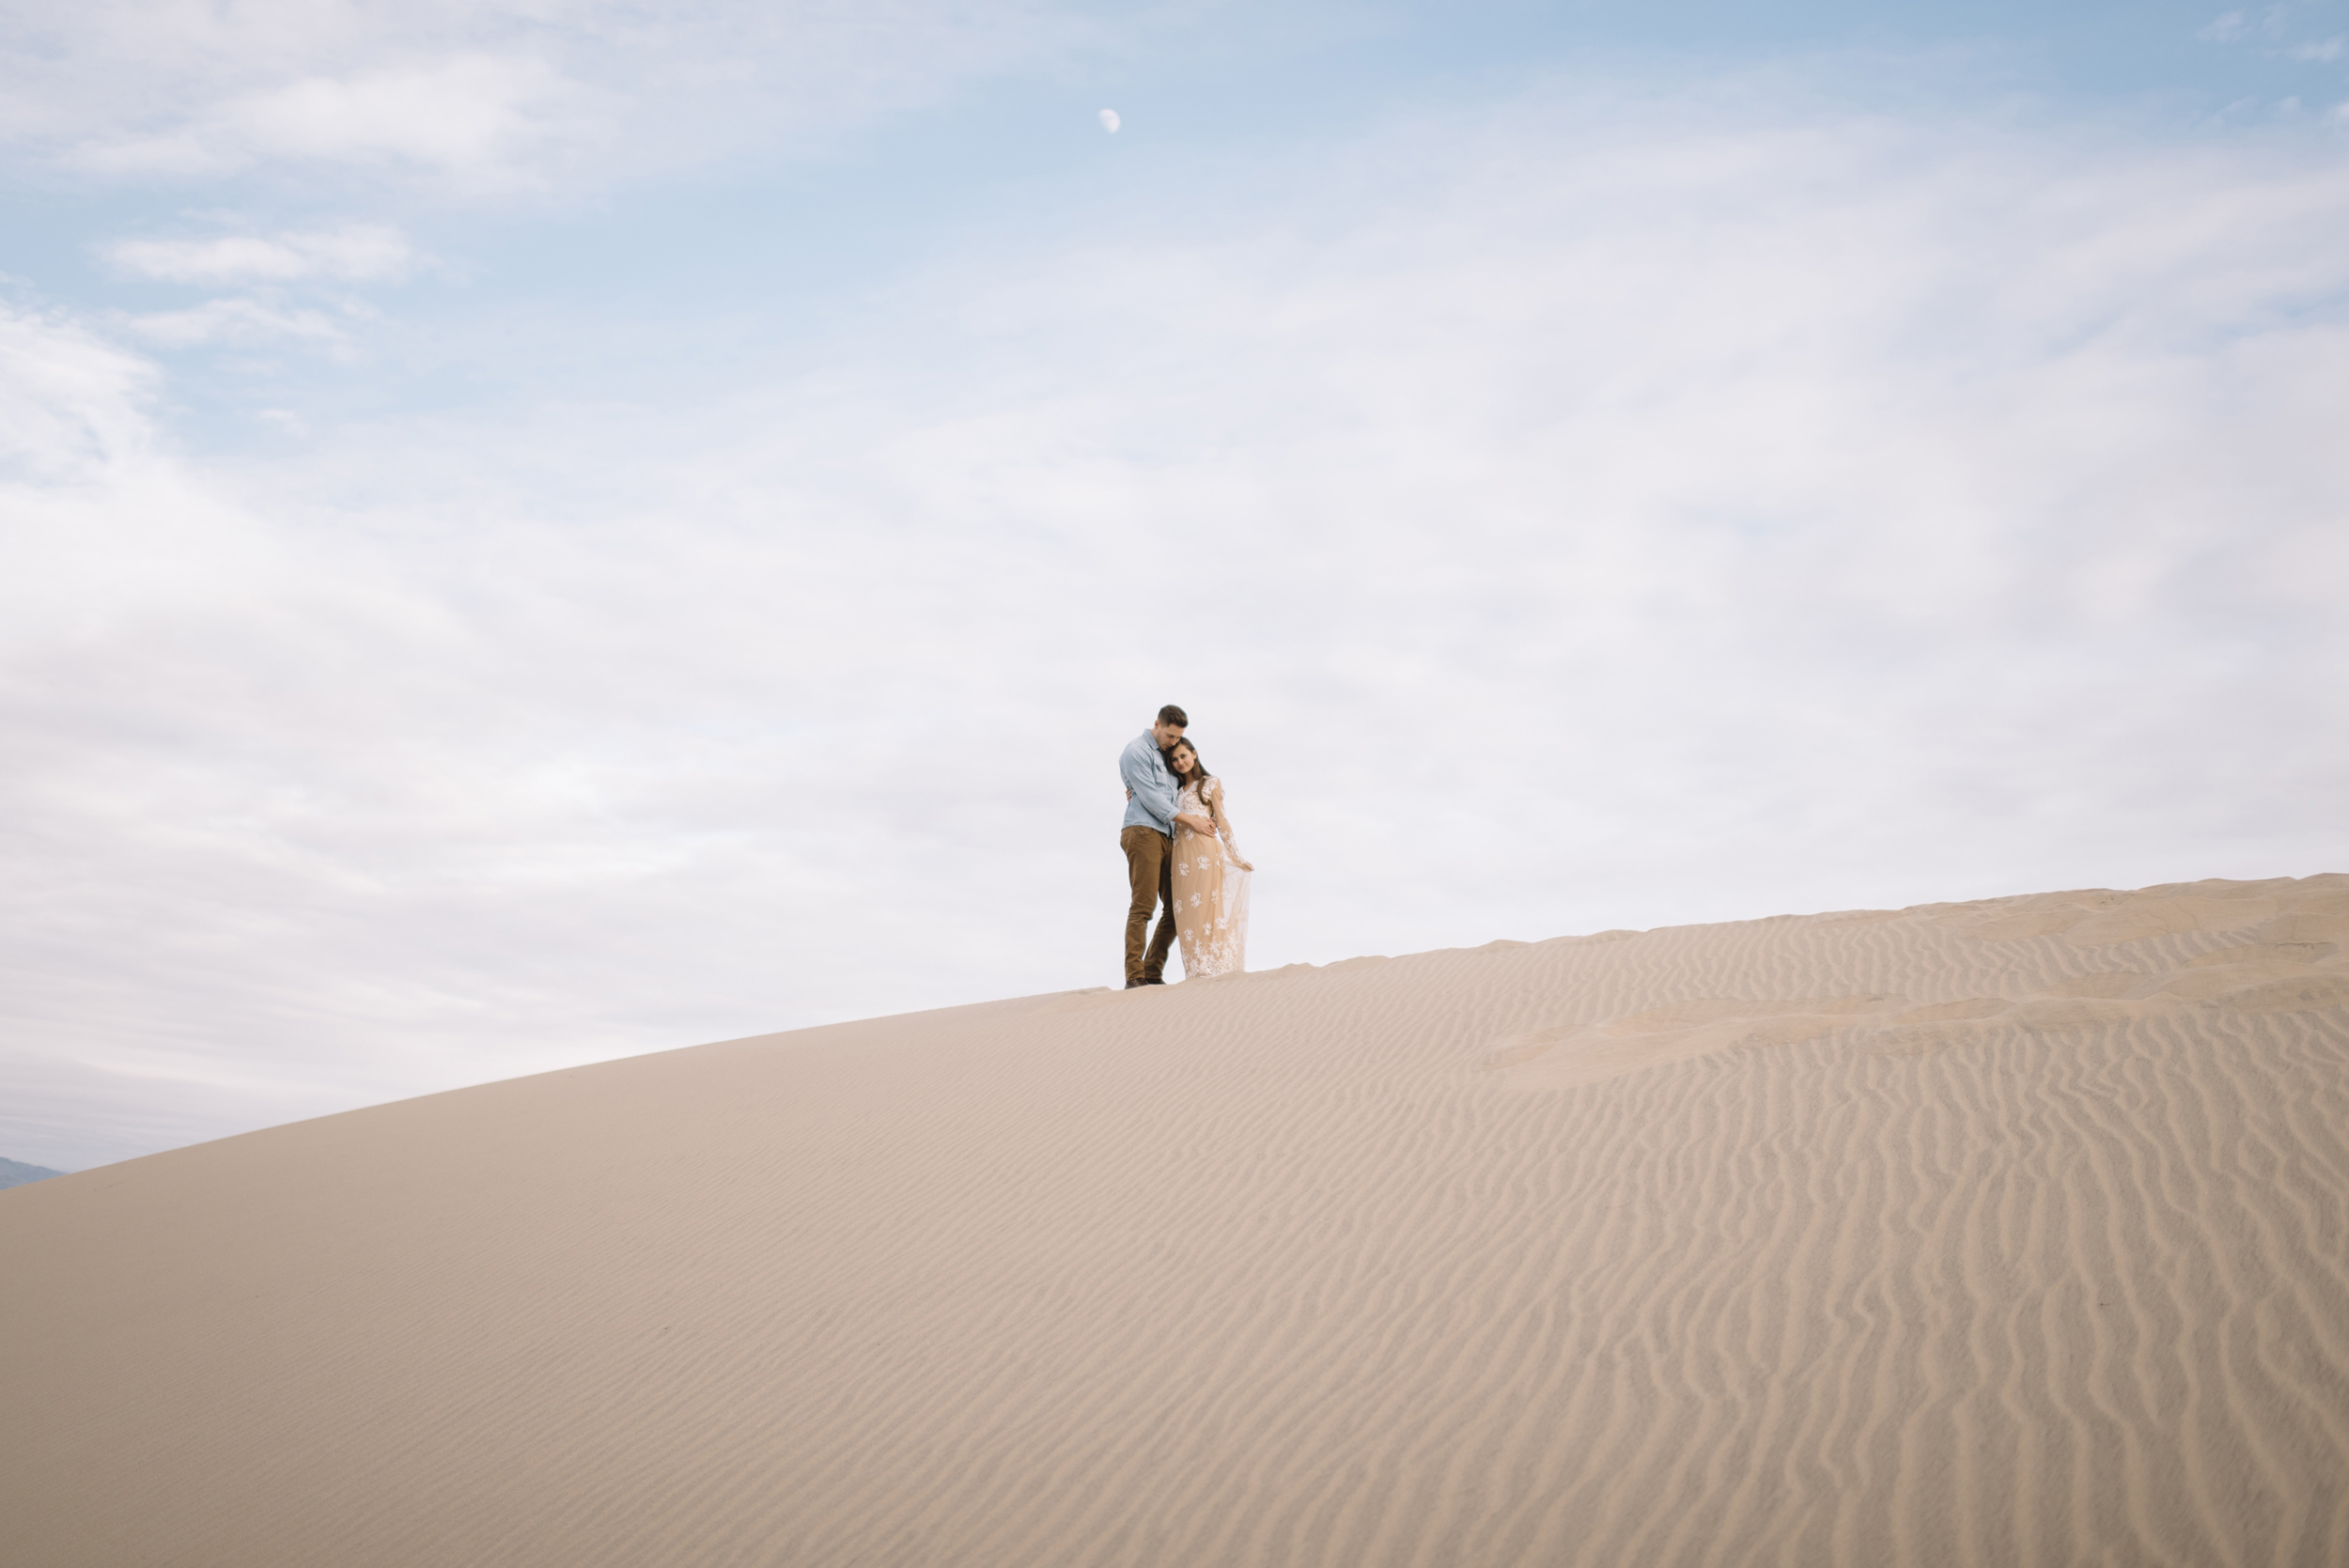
x=545, y=531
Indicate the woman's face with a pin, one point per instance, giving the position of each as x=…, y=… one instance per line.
x=1184, y=757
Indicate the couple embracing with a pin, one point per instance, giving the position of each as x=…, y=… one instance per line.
x=1179, y=852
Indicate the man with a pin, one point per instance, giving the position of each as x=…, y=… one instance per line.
x=1148, y=840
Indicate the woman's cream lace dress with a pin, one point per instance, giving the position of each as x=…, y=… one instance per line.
x=1210, y=889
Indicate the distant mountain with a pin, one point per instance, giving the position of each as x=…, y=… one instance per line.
x=16, y=1172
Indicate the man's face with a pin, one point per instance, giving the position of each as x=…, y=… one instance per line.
x=1166, y=735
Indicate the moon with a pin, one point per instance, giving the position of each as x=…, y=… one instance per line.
x=1110, y=121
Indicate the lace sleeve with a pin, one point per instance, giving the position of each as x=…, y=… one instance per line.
x=1214, y=793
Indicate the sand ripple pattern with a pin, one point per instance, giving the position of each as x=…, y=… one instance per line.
x=2013, y=1232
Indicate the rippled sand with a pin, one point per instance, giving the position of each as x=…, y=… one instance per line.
x=2006, y=1232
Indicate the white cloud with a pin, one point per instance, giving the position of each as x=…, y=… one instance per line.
x=1551, y=524
x=478, y=119
x=2328, y=50
x=358, y=253
x=467, y=110
x=2223, y=29
x=508, y=95
x=72, y=407
x=233, y=321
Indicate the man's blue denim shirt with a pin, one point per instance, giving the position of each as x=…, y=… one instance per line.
x=1145, y=772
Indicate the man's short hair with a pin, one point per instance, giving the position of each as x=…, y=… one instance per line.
x=1169, y=714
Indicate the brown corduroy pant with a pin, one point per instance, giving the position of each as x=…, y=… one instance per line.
x=1150, y=869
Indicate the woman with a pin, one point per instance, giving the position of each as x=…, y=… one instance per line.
x=1210, y=878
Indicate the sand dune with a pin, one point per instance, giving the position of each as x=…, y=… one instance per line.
x=2006, y=1232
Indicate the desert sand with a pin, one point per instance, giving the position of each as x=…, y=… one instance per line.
x=2004, y=1233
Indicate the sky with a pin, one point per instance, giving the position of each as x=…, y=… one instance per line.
x=548, y=530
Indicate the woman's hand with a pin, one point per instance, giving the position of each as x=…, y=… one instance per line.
x=1199, y=825
x=1245, y=865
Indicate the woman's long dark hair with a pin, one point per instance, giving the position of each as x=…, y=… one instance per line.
x=1198, y=774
